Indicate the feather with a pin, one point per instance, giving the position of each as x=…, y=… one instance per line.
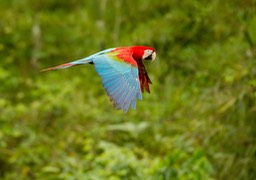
x=67, y=65
x=119, y=88
x=144, y=78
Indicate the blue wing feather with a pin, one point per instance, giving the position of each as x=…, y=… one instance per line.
x=128, y=98
x=120, y=80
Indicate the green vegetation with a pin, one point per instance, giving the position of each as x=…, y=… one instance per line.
x=199, y=122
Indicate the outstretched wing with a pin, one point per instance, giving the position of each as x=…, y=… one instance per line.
x=120, y=79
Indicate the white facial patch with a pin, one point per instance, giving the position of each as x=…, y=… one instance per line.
x=147, y=53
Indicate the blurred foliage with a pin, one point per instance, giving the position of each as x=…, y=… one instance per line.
x=199, y=122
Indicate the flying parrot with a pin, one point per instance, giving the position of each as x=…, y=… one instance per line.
x=122, y=71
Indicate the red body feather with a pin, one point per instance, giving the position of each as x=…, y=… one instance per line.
x=143, y=75
x=129, y=54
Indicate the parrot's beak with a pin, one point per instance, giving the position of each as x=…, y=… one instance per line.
x=153, y=56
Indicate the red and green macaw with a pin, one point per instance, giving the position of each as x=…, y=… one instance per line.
x=122, y=71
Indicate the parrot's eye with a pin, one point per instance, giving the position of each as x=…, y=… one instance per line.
x=149, y=55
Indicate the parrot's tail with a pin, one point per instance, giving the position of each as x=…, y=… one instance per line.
x=67, y=65
x=63, y=66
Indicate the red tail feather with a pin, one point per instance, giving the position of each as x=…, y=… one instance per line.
x=62, y=66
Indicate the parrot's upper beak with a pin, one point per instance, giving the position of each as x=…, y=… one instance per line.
x=153, y=56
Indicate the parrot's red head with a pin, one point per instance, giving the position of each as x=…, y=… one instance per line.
x=143, y=53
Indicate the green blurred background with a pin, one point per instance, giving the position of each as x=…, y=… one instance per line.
x=199, y=122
